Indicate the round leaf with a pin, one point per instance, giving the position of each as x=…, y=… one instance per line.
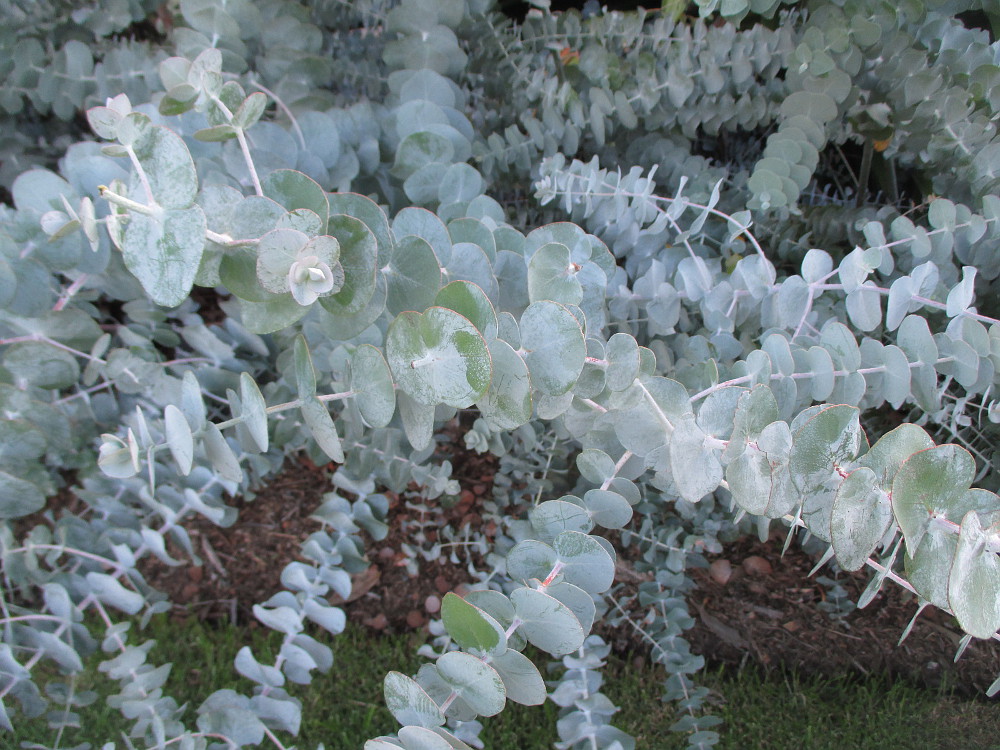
x=413, y=276
x=408, y=702
x=860, y=517
x=164, y=252
x=696, y=469
x=552, y=517
x=530, y=559
x=438, y=357
x=371, y=382
x=546, y=622
x=477, y=683
x=554, y=344
x=471, y=628
x=507, y=401
x=427, y=226
x=623, y=361
x=468, y=299
x=359, y=259
x=927, y=484
x=608, y=509
x=974, y=584
x=419, y=738
x=179, y=438
x=293, y=189
x=521, y=678
x=585, y=561
x=579, y=602
x=595, y=465
x=552, y=276
x=276, y=252
x=169, y=168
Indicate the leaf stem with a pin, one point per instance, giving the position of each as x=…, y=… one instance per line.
x=656, y=408
x=618, y=467
x=69, y=292
x=143, y=178
x=52, y=342
x=241, y=136
x=226, y=241
x=296, y=404
x=131, y=205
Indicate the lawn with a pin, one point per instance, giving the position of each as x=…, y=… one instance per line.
x=772, y=710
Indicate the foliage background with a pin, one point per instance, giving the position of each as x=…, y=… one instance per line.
x=691, y=270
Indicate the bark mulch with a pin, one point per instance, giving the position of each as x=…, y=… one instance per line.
x=765, y=611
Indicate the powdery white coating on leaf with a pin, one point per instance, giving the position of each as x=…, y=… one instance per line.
x=476, y=682
x=927, y=484
x=164, y=251
x=521, y=678
x=438, y=357
x=548, y=623
x=554, y=346
x=507, y=402
x=974, y=583
x=409, y=703
x=372, y=384
x=861, y=515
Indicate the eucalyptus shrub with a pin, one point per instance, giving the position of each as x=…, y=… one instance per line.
x=412, y=209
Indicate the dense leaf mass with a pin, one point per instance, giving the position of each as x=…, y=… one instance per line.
x=332, y=229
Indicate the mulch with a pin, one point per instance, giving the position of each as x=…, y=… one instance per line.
x=764, y=612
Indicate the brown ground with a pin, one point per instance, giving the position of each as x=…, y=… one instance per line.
x=766, y=613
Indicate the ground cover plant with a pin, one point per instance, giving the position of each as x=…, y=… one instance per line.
x=686, y=276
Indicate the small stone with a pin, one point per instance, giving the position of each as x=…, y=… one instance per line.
x=462, y=589
x=378, y=622
x=466, y=499
x=189, y=591
x=196, y=573
x=791, y=626
x=415, y=619
x=442, y=585
x=432, y=604
x=479, y=489
x=387, y=553
x=721, y=571
x=755, y=565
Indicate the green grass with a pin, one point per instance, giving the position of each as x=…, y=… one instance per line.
x=344, y=707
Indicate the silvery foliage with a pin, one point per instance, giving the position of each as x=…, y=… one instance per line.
x=676, y=357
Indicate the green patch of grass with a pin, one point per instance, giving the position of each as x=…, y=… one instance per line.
x=779, y=710
x=344, y=707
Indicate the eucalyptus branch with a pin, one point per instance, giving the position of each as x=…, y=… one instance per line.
x=241, y=136
x=618, y=467
x=70, y=292
x=284, y=108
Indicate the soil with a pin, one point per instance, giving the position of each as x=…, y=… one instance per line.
x=765, y=612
